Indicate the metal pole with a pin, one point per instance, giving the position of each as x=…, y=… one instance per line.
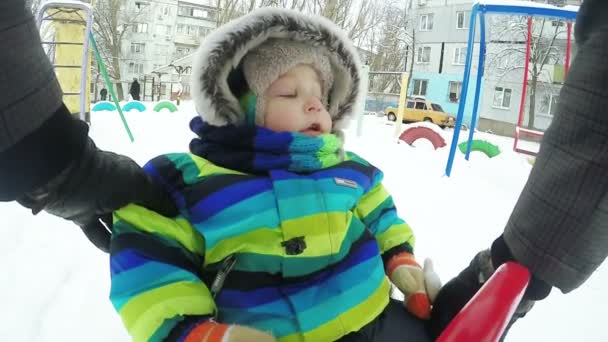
x=364, y=85
x=85, y=55
x=110, y=87
x=568, y=49
x=482, y=53
x=405, y=79
x=463, y=92
x=525, y=86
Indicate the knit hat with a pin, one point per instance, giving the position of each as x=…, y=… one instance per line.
x=275, y=57
x=264, y=44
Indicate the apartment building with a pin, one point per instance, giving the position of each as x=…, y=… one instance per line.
x=164, y=32
x=442, y=31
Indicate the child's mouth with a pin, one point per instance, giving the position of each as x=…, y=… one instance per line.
x=314, y=129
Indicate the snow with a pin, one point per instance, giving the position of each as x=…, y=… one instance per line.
x=56, y=284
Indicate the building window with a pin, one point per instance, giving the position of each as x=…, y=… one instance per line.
x=460, y=56
x=182, y=51
x=136, y=68
x=194, y=12
x=420, y=87
x=502, y=98
x=454, y=91
x=426, y=22
x=424, y=55
x=203, y=31
x=141, y=4
x=462, y=20
x=164, y=10
x=199, y=13
x=137, y=47
x=140, y=28
x=192, y=30
x=548, y=104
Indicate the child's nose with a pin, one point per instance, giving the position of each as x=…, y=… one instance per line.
x=314, y=105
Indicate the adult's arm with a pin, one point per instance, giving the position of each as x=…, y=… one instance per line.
x=559, y=227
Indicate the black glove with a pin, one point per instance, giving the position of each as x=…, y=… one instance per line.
x=456, y=293
x=92, y=187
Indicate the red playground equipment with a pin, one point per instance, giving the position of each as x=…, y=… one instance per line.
x=519, y=130
x=487, y=314
x=412, y=134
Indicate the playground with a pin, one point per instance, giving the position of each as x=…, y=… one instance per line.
x=453, y=218
x=463, y=203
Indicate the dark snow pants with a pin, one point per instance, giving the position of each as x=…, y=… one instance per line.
x=394, y=324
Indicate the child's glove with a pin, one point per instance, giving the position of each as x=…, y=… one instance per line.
x=212, y=331
x=419, y=286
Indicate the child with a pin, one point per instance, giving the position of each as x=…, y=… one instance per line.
x=281, y=234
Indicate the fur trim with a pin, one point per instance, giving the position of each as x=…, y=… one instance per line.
x=223, y=50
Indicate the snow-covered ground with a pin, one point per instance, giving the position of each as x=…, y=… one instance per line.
x=55, y=284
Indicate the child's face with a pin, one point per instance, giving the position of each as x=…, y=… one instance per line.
x=293, y=103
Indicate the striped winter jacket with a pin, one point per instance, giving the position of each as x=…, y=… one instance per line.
x=296, y=255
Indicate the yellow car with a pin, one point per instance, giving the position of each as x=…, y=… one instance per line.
x=419, y=109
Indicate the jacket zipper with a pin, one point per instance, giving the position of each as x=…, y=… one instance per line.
x=227, y=266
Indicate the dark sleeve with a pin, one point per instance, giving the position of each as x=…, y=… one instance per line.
x=42, y=154
x=29, y=91
x=559, y=227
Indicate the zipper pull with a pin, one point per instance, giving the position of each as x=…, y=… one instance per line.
x=218, y=282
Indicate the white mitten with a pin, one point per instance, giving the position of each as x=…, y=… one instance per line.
x=408, y=276
x=432, y=283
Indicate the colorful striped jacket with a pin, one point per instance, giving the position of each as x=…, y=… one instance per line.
x=296, y=255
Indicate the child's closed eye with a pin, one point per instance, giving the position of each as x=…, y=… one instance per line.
x=287, y=93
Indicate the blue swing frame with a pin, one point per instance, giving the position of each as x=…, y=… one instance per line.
x=480, y=9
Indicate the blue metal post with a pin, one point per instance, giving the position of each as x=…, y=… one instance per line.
x=480, y=66
x=465, y=87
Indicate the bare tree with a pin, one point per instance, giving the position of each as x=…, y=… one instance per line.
x=390, y=40
x=231, y=9
x=510, y=56
x=113, y=18
x=355, y=20
x=381, y=30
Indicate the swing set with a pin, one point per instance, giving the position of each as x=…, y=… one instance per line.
x=508, y=7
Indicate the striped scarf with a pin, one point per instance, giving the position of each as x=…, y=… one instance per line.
x=257, y=150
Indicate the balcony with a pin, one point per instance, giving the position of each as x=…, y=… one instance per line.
x=187, y=40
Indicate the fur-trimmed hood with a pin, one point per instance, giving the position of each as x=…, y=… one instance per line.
x=216, y=63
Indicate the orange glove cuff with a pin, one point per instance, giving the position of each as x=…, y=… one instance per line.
x=401, y=259
x=209, y=331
